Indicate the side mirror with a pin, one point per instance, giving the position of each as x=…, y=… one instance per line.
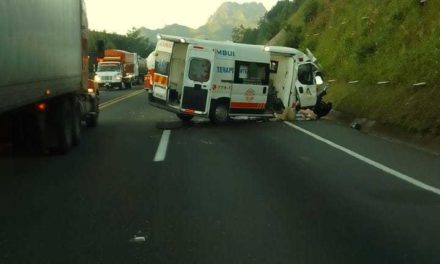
x=319, y=80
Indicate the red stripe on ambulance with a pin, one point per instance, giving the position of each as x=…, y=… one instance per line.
x=248, y=105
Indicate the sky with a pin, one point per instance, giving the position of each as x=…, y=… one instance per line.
x=120, y=16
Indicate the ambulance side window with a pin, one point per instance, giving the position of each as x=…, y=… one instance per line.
x=162, y=67
x=305, y=73
x=251, y=73
x=199, y=70
x=162, y=63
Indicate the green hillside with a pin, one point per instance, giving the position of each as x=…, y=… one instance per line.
x=375, y=41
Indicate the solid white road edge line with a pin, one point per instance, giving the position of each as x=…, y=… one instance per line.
x=163, y=145
x=369, y=161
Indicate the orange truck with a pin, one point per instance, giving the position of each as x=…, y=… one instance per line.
x=118, y=68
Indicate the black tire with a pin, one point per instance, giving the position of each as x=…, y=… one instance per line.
x=76, y=124
x=64, y=126
x=92, y=120
x=219, y=113
x=184, y=117
x=42, y=145
x=29, y=132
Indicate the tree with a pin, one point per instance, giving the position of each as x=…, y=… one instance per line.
x=132, y=42
x=269, y=25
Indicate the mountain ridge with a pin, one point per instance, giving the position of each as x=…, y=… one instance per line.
x=219, y=25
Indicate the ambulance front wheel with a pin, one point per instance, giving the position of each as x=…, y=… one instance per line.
x=219, y=113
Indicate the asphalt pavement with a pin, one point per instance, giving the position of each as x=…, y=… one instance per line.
x=244, y=192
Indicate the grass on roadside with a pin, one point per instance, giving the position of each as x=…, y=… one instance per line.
x=373, y=41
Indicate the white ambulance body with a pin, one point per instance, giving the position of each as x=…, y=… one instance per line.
x=218, y=80
x=294, y=76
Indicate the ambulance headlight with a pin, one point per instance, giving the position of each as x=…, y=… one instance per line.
x=97, y=78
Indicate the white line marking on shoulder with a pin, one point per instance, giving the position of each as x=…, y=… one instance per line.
x=373, y=163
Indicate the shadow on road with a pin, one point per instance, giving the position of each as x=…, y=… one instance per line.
x=204, y=123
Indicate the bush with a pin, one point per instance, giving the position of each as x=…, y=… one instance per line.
x=310, y=11
x=294, y=36
x=365, y=50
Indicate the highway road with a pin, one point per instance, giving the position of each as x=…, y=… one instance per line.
x=144, y=188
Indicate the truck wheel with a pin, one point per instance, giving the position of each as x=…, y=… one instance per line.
x=29, y=132
x=184, y=117
x=64, y=126
x=92, y=120
x=76, y=124
x=219, y=113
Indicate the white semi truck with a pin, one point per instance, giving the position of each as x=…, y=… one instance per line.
x=44, y=108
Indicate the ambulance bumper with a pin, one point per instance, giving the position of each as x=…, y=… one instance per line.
x=153, y=101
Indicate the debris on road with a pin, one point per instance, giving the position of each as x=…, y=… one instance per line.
x=138, y=239
x=288, y=114
x=306, y=114
x=356, y=125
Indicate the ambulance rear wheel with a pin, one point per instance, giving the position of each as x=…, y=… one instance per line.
x=219, y=113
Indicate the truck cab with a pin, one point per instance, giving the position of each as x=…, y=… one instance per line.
x=118, y=68
x=109, y=74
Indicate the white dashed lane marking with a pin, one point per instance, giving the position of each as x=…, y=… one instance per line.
x=163, y=146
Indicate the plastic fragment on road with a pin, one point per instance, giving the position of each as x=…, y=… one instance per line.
x=356, y=125
x=138, y=239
